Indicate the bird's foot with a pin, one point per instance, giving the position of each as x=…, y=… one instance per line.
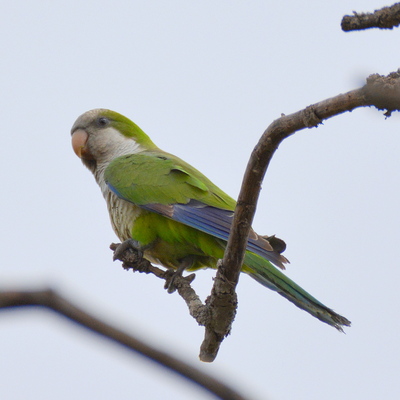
x=131, y=255
x=173, y=280
x=128, y=244
x=174, y=277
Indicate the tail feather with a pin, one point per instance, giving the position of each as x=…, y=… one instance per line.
x=265, y=273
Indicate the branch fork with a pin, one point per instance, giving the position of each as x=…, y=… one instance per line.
x=219, y=310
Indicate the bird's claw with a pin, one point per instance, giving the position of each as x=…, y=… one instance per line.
x=174, y=280
x=128, y=244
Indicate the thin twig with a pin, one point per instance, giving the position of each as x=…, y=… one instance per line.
x=385, y=18
x=132, y=261
x=50, y=299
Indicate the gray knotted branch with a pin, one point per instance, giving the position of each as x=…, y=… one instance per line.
x=385, y=18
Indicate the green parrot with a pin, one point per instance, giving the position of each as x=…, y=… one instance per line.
x=172, y=213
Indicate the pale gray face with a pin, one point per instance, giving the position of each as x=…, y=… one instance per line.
x=96, y=141
x=96, y=117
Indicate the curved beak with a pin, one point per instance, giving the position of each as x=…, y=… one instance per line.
x=79, y=139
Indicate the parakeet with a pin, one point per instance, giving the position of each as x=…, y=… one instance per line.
x=175, y=215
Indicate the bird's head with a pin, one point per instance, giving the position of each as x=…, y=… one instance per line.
x=100, y=135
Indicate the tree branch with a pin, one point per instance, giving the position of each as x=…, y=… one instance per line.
x=219, y=310
x=132, y=261
x=381, y=92
x=385, y=18
x=50, y=299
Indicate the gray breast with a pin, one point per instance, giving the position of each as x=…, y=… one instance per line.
x=122, y=215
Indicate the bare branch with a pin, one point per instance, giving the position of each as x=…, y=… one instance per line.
x=50, y=299
x=382, y=92
x=218, y=313
x=222, y=305
x=385, y=18
x=132, y=261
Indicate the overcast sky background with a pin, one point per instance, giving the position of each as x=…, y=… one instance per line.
x=203, y=79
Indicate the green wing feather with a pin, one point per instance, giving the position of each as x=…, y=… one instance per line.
x=164, y=184
x=158, y=177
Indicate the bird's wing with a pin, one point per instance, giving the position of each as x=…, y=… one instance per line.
x=166, y=185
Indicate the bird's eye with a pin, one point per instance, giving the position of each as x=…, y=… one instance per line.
x=102, y=121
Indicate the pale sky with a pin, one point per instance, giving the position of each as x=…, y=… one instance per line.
x=203, y=79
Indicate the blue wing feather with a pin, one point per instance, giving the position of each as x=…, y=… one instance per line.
x=214, y=221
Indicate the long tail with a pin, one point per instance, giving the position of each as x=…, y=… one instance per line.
x=265, y=273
